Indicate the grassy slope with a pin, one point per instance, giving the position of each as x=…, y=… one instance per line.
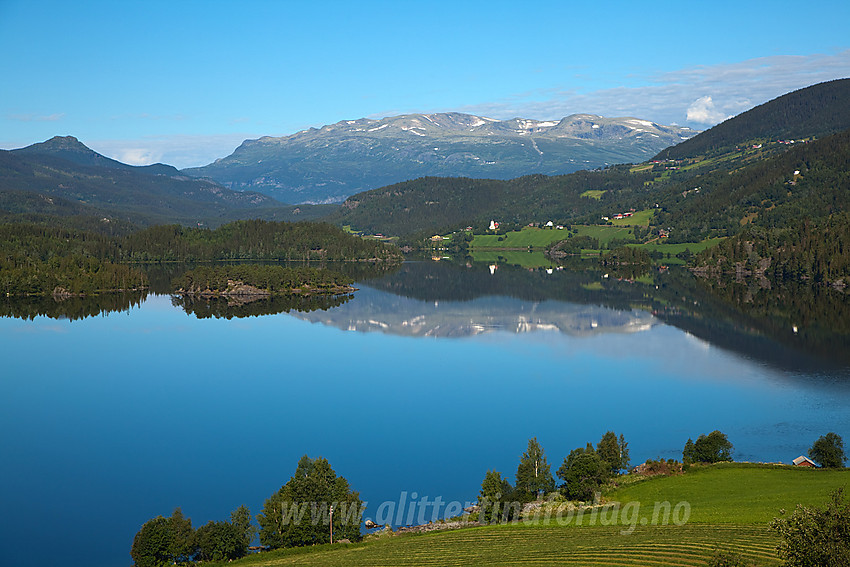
x=542, y=237
x=736, y=493
x=537, y=237
x=538, y=546
x=730, y=507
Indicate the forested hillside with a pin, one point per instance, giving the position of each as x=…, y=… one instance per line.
x=809, y=181
x=437, y=204
x=814, y=111
x=61, y=182
x=254, y=240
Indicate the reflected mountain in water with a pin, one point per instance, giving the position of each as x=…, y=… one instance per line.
x=791, y=326
x=377, y=310
x=799, y=328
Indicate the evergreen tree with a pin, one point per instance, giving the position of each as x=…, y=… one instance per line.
x=533, y=475
x=689, y=453
x=625, y=459
x=241, y=520
x=614, y=451
x=495, y=500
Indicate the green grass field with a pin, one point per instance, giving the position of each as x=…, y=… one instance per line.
x=542, y=237
x=593, y=194
x=737, y=493
x=512, y=248
x=536, y=237
x=730, y=506
x=689, y=545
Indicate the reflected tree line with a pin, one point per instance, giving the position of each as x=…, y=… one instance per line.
x=788, y=324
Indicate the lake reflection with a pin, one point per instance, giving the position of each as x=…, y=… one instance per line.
x=109, y=421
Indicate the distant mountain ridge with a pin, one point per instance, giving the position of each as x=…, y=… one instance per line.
x=64, y=178
x=71, y=149
x=331, y=163
x=708, y=196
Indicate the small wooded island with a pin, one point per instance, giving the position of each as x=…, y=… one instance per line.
x=252, y=280
x=40, y=260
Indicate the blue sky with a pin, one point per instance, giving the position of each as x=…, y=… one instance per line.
x=186, y=82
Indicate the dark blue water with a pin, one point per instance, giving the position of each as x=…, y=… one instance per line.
x=111, y=420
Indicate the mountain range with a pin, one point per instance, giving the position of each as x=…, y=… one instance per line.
x=63, y=178
x=328, y=164
x=745, y=170
x=733, y=174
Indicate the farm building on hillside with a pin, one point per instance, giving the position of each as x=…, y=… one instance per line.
x=802, y=461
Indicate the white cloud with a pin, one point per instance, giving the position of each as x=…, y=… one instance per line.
x=181, y=151
x=703, y=111
x=137, y=156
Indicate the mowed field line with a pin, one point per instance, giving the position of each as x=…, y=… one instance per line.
x=590, y=546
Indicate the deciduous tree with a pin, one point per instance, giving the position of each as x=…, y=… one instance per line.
x=828, y=451
x=219, y=541
x=583, y=472
x=299, y=513
x=712, y=448
x=164, y=541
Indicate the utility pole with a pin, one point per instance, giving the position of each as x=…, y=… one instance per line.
x=332, y=524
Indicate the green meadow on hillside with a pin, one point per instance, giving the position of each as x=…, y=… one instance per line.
x=737, y=493
x=535, y=237
x=542, y=237
x=729, y=508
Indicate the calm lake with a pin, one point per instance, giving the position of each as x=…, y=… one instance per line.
x=420, y=382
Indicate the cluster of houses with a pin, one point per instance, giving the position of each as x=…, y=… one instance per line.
x=760, y=146
x=619, y=216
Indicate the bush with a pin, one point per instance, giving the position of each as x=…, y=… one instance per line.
x=726, y=559
x=816, y=537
